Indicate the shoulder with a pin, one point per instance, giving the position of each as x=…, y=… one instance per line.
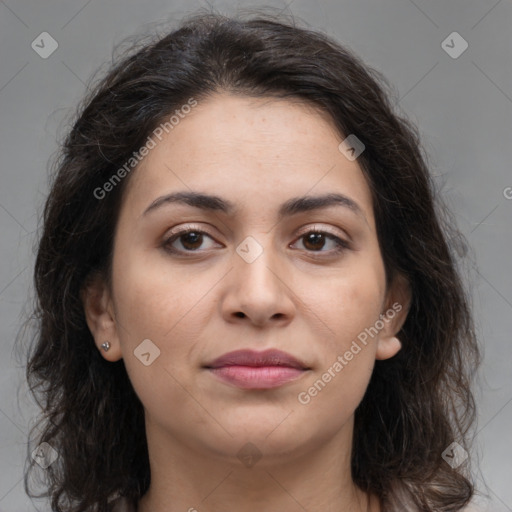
x=123, y=504
x=474, y=507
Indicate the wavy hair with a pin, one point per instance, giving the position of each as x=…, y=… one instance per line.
x=416, y=404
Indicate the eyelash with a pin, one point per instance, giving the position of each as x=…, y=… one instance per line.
x=341, y=245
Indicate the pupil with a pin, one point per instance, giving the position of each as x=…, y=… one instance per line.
x=315, y=238
x=192, y=238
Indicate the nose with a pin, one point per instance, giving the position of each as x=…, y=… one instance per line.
x=258, y=291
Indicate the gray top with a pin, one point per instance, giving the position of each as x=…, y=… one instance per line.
x=400, y=504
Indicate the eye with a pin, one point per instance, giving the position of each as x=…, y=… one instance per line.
x=315, y=240
x=190, y=239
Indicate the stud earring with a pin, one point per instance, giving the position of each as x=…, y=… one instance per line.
x=105, y=346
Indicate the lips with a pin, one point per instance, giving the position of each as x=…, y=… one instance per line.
x=248, y=369
x=253, y=358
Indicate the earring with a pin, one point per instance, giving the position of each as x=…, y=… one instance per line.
x=105, y=346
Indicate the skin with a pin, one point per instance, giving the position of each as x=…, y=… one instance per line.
x=299, y=297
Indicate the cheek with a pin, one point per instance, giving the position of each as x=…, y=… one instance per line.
x=350, y=305
x=152, y=305
x=150, y=299
x=169, y=309
x=345, y=365
x=349, y=301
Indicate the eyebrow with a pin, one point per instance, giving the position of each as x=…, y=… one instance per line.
x=293, y=206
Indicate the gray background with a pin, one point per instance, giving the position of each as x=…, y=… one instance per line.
x=463, y=107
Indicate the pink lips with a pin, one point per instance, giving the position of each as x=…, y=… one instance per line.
x=249, y=369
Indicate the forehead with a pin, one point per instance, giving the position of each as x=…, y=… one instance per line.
x=252, y=150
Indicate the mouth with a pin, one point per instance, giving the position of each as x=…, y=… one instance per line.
x=248, y=369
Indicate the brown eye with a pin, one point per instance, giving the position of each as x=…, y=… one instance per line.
x=191, y=240
x=315, y=241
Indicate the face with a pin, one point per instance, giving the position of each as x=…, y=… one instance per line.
x=251, y=272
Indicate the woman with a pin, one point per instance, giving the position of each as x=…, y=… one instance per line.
x=245, y=293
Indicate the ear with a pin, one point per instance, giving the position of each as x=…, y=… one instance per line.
x=99, y=314
x=397, y=305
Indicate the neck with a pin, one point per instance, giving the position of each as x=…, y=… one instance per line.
x=188, y=479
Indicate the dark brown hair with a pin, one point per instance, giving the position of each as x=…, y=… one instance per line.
x=416, y=404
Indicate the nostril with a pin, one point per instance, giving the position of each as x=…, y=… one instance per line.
x=240, y=314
